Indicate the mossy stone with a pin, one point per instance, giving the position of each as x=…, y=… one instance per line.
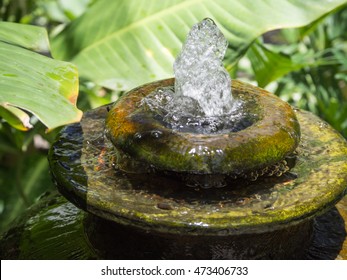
x=82, y=163
x=274, y=135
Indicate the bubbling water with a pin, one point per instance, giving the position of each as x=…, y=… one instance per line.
x=188, y=116
x=201, y=100
x=199, y=70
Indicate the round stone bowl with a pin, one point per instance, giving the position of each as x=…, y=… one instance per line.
x=269, y=218
x=142, y=134
x=56, y=229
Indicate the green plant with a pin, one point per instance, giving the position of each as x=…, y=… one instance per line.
x=117, y=45
x=309, y=67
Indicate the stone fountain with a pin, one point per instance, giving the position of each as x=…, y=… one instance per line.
x=196, y=167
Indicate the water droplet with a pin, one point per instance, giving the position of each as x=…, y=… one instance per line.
x=156, y=134
x=322, y=125
x=137, y=136
x=269, y=207
x=240, y=201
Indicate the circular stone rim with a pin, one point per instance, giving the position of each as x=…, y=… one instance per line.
x=233, y=153
x=74, y=159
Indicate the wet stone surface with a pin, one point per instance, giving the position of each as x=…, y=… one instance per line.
x=316, y=182
x=252, y=140
x=78, y=235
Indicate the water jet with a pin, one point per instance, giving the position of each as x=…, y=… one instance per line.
x=163, y=174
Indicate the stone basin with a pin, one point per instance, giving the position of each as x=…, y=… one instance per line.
x=287, y=217
x=273, y=214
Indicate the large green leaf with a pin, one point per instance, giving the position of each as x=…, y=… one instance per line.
x=269, y=65
x=15, y=117
x=32, y=38
x=27, y=36
x=121, y=44
x=35, y=83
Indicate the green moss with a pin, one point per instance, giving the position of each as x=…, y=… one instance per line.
x=315, y=183
x=273, y=136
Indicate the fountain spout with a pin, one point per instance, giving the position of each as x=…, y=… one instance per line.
x=200, y=126
x=199, y=70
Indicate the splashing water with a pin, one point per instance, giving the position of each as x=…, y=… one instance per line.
x=201, y=100
x=199, y=70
